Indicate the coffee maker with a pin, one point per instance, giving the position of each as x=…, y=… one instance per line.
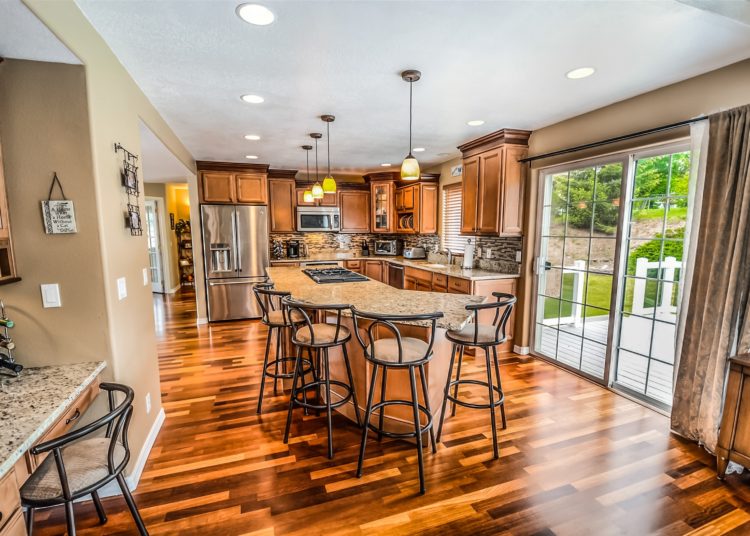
x=292, y=249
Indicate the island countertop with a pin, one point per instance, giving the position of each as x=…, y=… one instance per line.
x=374, y=296
x=32, y=402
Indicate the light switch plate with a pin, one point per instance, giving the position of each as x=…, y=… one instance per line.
x=518, y=255
x=122, y=289
x=51, y=295
x=145, y=277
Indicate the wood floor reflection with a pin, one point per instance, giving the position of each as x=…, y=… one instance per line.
x=576, y=459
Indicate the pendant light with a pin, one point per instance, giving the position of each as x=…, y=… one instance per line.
x=410, y=166
x=329, y=184
x=317, y=189
x=307, y=196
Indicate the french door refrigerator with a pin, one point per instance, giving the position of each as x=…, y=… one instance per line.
x=235, y=246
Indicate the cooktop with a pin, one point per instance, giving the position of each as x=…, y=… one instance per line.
x=333, y=275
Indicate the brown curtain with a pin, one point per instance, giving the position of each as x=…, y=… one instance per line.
x=717, y=321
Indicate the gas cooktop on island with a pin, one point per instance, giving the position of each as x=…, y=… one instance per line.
x=334, y=275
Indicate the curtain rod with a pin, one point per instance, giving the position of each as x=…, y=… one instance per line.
x=615, y=139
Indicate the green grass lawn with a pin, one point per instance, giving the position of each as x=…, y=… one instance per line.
x=658, y=213
x=597, y=297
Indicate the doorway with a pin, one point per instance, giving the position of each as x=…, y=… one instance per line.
x=155, y=249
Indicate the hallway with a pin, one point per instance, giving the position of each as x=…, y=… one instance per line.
x=576, y=459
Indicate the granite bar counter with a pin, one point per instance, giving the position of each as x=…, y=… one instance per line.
x=31, y=403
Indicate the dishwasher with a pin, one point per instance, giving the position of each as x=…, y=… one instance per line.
x=395, y=275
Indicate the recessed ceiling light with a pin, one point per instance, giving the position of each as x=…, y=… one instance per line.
x=255, y=14
x=252, y=99
x=385, y=165
x=418, y=149
x=475, y=122
x=251, y=157
x=252, y=137
x=581, y=72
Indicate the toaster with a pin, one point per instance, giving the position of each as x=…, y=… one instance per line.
x=415, y=253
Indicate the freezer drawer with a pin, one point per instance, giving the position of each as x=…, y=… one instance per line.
x=232, y=299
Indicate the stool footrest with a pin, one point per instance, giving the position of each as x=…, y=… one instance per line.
x=287, y=375
x=499, y=402
x=400, y=435
x=322, y=383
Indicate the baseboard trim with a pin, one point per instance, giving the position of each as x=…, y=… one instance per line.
x=202, y=320
x=174, y=290
x=522, y=350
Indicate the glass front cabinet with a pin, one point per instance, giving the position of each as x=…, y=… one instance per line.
x=383, y=215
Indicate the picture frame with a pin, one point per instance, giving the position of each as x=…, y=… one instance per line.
x=457, y=171
x=59, y=216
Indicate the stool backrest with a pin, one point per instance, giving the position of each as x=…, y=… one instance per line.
x=503, y=307
x=268, y=298
x=387, y=321
x=291, y=306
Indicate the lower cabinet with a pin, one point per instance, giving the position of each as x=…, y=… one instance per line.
x=354, y=266
x=734, y=432
x=376, y=270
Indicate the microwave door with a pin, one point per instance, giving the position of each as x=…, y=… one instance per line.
x=219, y=241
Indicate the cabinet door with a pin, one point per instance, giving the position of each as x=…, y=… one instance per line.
x=281, y=210
x=381, y=197
x=251, y=188
x=408, y=198
x=514, y=178
x=424, y=285
x=488, y=211
x=355, y=211
x=399, y=199
x=469, y=193
x=300, y=194
x=428, y=209
x=410, y=283
x=217, y=187
x=329, y=200
x=374, y=270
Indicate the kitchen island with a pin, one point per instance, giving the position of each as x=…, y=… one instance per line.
x=374, y=296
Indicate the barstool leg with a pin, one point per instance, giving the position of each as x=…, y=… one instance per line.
x=263, y=372
x=278, y=356
x=417, y=428
x=499, y=386
x=458, y=377
x=423, y=379
x=351, y=384
x=70, y=519
x=368, y=414
x=29, y=521
x=293, y=396
x=328, y=403
x=131, y=505
x=381, y=417
x=99, y=508
x=491, y=392
x=445, y=392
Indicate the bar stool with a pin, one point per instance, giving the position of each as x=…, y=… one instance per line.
x=396, y=352
x=274, y=318
x=483, y=336
x=320, y=337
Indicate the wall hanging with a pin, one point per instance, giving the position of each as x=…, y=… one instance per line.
x=129, y=177
x=59, y=215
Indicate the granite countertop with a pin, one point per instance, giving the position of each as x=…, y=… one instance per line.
x=374, y=296
x=475, y=274
x=32, y=402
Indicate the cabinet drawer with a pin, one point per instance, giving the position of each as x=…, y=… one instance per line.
x=416, y=273
x=353, y=265
x=456, y=285
x=10, y=500
x=67, y=421
x=440, y=282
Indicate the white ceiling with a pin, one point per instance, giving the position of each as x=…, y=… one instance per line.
x=157, y=162
x=25, y=37
x=503, y=62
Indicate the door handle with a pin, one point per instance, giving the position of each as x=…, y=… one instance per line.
x=221, y=283
x=547, y=265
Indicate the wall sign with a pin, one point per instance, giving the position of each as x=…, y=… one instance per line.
x=456, y=171
x=59, y=215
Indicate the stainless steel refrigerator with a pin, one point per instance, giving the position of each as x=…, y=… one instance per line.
x=235, y=254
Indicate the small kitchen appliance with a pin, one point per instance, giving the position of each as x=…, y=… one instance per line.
x=365, y=249
x=389, y=247
x=315, y=219
x=415, y=253
x=292, y=249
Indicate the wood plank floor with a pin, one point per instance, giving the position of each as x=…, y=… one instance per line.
x=576, y=460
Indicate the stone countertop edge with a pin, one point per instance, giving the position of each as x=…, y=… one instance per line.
x=14, y=442
x=475, y=274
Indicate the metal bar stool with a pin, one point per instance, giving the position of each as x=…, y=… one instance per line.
x=478, y=335
x=321, y=337
x=277, y=321
x=397, y=352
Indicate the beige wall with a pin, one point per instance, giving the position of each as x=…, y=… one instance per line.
x=44, y=127
x=115, y=106
x=718, y=90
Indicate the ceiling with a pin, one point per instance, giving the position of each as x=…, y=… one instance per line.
x=503, y=62
x=23, y=36
x=158, y=164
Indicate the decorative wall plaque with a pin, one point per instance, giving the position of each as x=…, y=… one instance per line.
x=59, y=215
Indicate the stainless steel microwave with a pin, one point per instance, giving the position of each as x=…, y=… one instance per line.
x=389, y=247
x=318, y=219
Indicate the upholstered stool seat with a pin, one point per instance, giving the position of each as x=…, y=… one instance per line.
x=277, y=319
x=386, y=350
x=322, y=334
x=484, y=334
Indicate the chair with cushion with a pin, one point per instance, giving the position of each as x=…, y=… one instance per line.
x=318, y=337
x=80, y=463
x=485, y=336
x=396, y=352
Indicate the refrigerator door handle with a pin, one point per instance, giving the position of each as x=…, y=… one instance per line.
x=235, y=239
x=238, y=282
x=238, y=241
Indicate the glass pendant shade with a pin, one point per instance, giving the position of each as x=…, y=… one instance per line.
x=307, y=196
x=317, y=191
x=410, y=169
x=329, y=185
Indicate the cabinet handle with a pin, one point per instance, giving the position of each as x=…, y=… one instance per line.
x=75, y=417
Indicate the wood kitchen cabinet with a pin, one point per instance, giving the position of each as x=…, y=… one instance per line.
x=329, y=200
x=383, y=207
x=229, y=183
x=354, y=266
x=416, y=208
x=355, y=211
x=281, y=193
x=375, y=269
x=734, y=433
x=493, y=183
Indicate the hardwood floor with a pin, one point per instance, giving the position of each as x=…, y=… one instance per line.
x=576, y=459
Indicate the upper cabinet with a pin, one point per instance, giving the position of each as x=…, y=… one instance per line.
x=493, y=183
x=225, y=182
x=329, y=200
x=382, y=207
x=416, y=208
x=355, y=211
x=281, y=205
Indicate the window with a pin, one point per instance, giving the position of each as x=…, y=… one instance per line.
x=451, y=233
